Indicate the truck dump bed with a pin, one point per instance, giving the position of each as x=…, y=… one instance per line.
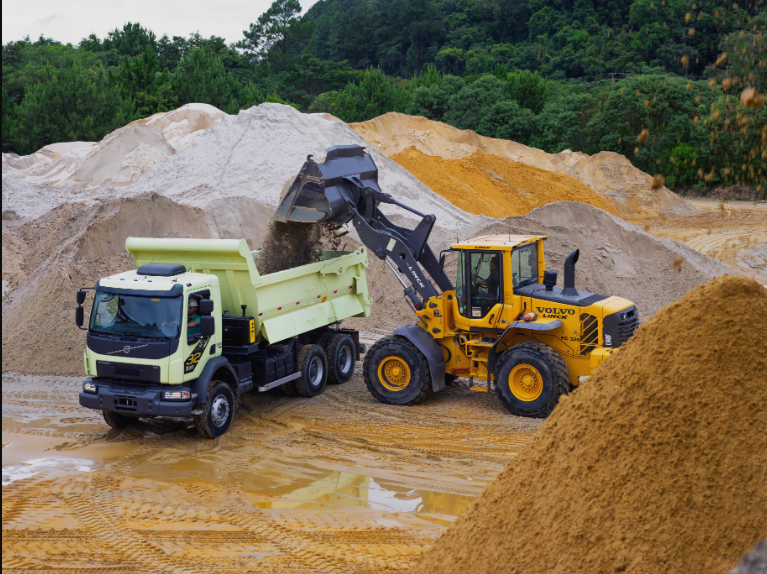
x=284, y=304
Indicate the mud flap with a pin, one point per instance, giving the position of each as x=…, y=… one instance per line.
x=428, y=346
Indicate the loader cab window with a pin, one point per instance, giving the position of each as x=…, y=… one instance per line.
x=485, y=288
x=524, y=265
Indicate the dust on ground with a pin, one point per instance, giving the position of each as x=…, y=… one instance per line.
x=489, y=185
x=685, y=469
x=731, y=232
x=336, y=483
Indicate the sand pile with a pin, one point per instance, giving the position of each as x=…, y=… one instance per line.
x=489, y=185
x=121, y=157
x=657, y=464
x=256, y=152
x=606, y=172
x=47, y=259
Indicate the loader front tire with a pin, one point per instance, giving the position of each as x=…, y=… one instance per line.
x=396, y=372
x=530, y=378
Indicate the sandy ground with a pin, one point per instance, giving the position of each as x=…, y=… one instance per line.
x=733, y=233
x=337, y=483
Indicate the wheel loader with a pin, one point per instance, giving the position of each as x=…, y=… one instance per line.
x=503, y=322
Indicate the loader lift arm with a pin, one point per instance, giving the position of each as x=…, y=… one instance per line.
x=345, y=187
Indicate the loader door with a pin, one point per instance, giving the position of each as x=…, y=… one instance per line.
x=479, y=288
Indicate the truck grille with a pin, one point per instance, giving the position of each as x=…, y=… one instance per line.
x=123, y=371
x=627, y=326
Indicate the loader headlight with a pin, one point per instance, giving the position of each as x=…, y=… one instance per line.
x=176, y=395
x=90, y=387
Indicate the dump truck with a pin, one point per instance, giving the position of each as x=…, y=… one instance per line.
x=502, y=321
x=195, y=326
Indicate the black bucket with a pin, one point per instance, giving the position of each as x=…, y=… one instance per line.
x=329, y=191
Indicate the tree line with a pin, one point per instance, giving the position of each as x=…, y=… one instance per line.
x=462, y=63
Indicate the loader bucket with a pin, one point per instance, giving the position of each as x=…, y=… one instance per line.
x=329, y=191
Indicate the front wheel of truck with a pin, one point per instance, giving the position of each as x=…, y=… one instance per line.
x=217, y=412
x=115, y=420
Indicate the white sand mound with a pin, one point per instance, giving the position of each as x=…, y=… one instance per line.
x=121, y=157
x=254, y=153
x=605, y=172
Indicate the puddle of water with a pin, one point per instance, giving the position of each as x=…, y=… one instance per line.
x=339, y=489
x=49, y=465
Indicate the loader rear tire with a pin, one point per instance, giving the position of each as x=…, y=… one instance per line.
x=115, y=420
x=530, y=379
x=313, y=365
x=396, y=372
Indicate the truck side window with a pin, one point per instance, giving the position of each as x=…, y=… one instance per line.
x=524, y=265
x=193, y=318
x=485, y=282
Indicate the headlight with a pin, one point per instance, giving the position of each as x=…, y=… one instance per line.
x=176, y=395
x=90, y=387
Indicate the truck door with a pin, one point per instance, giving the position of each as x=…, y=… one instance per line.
x=196, y=347
x=479, y=288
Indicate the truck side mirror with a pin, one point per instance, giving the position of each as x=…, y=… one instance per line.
x=206, y=307
x=80, y=297
x=207, y=326
x=80, y=315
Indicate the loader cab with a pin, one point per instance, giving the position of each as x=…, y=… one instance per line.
x=489, y=270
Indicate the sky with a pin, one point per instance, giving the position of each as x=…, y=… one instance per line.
x=73, y=20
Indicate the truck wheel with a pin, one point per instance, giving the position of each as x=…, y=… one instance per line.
x=342, y=354
x=115, y=420
x=530, y=378
x=313, y=365
x=396, y=372
x=217, y=411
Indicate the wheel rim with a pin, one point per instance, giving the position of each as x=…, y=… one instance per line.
x=219, y=411
x=316, y=370
x=345, y=359
x=394, y=373
x=525, y=382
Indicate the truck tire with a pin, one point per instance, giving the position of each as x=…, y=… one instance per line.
x=396, y=372
x=342, y=354
x=115, y=420
x=530, y=378
x=313, y=364
x=217, y=411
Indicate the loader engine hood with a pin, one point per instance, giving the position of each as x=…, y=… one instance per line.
x=321, y=192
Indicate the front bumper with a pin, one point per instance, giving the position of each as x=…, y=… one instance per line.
x=137, y=401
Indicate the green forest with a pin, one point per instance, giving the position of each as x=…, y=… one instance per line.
x=673, y=85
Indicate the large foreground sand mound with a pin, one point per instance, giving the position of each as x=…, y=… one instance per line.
x=657, y=464
x=489, y=185
x=606, y=172
x=121, y=157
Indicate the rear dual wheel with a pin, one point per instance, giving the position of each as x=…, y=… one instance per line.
x=396, y=372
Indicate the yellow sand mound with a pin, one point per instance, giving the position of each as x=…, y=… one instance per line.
x=605, y=172
x=485, y=184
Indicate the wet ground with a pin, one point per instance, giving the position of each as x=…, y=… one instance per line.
x=733, y=232
x=337, y=483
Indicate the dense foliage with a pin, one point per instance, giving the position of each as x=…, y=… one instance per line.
x=555, y=74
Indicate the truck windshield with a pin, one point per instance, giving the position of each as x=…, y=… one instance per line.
x=136, y=316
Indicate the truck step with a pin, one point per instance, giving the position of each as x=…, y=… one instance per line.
x=279, y=382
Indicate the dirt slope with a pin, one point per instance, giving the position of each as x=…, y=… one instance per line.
x=632, y=473
x=488, y=185
x=606, y=172
x=47, y=259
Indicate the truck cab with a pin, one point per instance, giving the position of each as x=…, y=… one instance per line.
x=195, y=326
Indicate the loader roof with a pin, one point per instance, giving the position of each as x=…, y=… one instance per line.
x=503, y=242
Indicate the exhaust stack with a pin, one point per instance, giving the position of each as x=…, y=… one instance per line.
x=570, y=262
